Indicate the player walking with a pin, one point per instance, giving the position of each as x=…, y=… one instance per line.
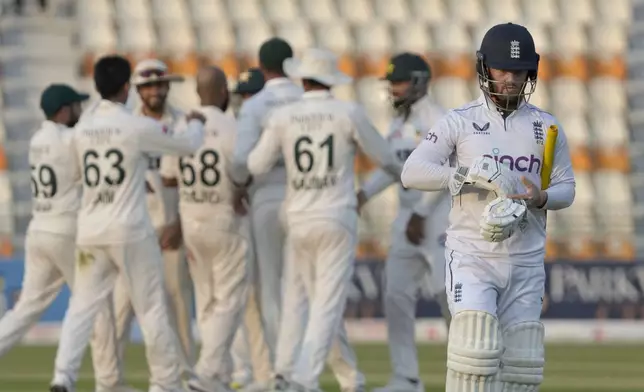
x=495, y=245
x=416, y=251
x=317, y=137
x=116, y=236
x=216, y=245
x=250, y=352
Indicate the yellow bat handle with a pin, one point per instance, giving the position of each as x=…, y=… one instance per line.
x=548, y=156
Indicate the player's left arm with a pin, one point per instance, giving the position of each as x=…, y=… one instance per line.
x=267, y=151
x=561, y=192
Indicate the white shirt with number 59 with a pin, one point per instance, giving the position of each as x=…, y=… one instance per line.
x=112, y=147
x=318, y=136
x=55, y=180
x=478, y=129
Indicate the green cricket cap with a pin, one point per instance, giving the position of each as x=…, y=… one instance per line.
x=250, y=82
x=57, y=96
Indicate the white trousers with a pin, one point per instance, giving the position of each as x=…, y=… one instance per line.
x=217, y=262
x=407, y=270
x=250, y=353
x=320, y=260
x=97, y=268
x=510, y=292
x=49, y=263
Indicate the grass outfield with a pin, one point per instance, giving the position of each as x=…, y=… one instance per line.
x=571, y=368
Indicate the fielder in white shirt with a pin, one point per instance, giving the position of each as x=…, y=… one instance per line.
x=115, y=233
x=216, y=244
x=267, y=194
x=416, y=255
x=496, y=239
x=317, y=138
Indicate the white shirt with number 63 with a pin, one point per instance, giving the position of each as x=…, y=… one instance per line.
x=112, y=148
x=55, y=180
x=206, y=191
x=317, y=136
x=478, y=129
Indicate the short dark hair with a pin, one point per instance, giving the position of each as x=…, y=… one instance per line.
x=315, y=84
x=111, y=74
x=272, y=54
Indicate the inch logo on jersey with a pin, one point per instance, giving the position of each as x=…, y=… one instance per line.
x=113, y=177
x=307, y=154
x=201, y=171
x=522, y=163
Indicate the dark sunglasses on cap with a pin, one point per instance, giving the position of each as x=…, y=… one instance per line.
x=151, y=72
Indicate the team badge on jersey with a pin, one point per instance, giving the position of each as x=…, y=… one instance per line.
x=537, y=128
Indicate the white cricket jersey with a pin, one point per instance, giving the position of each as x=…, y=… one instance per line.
x=163, y=201
x=250, y=125
x=55, y=180
x=317, y=138
x=113, y=148
x=478, y=129
x=205, y=187
x=404, y=135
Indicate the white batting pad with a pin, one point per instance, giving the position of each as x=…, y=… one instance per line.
x=473, y=352
x=523, y=359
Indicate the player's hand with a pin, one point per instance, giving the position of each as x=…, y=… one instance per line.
x=485, y=173
x=171, y=236
x=241, y=202
x=194, y=115
x=500, y=218
x=362, y=200
x=415, y=229
x=533, y=196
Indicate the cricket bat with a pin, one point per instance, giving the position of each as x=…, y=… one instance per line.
x=548, y=156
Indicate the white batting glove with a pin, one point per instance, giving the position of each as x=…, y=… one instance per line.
x=485, y=173
x=500, y=218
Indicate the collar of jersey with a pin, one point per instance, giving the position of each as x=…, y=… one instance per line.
x=276, y=81
x=168, y=113
x=53, y=125
x=317, y=94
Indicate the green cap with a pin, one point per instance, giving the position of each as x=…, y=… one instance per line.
x=273, y=52
x=57, y=96
x=250, y=82
x=402, y=66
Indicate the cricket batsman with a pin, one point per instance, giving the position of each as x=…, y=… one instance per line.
x=496, y=238
x=116, y=237
x=416, y=251
x=250, y=353
x=317, y=137
x=212, y=230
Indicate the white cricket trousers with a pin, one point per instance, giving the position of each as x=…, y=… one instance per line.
x=217, y=263
x=179, y=299
x=49, y=263
x=250, y=353
x=140, y=264
x=512, y=293
x=320, y=257
x=408, y=269
x=268, y=237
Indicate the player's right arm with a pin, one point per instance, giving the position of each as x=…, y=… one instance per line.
x=372, y=142
x=249, y=130
x=376, y=183
x=424, y=169
x=151, y=138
